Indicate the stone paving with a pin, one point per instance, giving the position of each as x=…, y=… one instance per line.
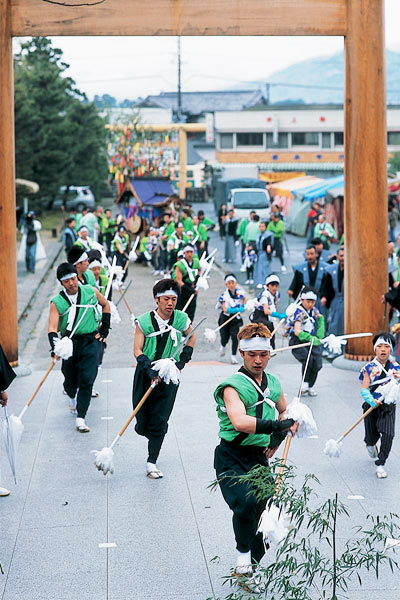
x=69, y=533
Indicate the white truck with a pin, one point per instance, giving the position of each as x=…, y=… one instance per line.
x=243, y=200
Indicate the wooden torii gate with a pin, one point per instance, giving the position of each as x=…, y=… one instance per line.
x=360, y=22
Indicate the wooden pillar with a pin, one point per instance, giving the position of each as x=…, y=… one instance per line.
x=8, y=244
x=182, y=163
x=365, y=224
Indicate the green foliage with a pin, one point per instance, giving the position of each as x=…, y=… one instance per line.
x=59, y=137
x=311, y=562
x=394, y=163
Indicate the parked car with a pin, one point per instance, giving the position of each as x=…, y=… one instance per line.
x=77, y=197
x=244, y=200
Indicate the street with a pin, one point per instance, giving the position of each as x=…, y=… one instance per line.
x=69, y=533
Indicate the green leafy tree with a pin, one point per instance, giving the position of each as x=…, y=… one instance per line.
x=59, y=138
x=394, y=163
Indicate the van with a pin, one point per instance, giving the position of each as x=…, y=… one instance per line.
x=243, y=200
x=75, y=197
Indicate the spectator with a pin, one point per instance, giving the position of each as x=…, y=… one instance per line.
x=31, y=248
x=325, y=231
x=231, y=225
x=221, y=216
x=69, y=236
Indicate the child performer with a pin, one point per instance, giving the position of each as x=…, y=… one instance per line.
x=380, y=423
x=231, y=302
x=306, y=325
x=249, y=258
x=267, y=305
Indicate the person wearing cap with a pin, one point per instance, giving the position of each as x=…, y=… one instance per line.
x=186, y=273
x=267, y=305
x=120, y=249
x=380, y=423
x=84, y=241
x=76, y=310
x=306, y=324
x=231, y=302
x=158, y=334
x=78, y=257
x=7, y=376
x=249, y=436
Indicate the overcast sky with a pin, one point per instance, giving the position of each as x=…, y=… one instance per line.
x=128, y=67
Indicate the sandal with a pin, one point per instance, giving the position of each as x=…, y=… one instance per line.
x=81, y=426
x=155, y=474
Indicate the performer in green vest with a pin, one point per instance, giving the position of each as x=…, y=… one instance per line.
x=158, y=334
x=186, y=273
x=120, y=248
x=75, y=309
x=80, y=260
x=250, y=435
x=84, y=241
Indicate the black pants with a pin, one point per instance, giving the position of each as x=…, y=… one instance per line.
x=315, y=363
x=278, y=247
x=229, y=331
x=80, y=371
x=152, y=418
x=184, y=296
x=121, y=262
x=250, y=272
x=235, y=461
x=380, y=423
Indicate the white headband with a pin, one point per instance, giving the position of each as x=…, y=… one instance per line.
x=188, y=249
x=82, y=257
x=255, y=343
x=230, y=278
x=382, y=340
x=167, y=293
x=94, y=263
x=68, y=276
x=83, y=228
x=309, y=296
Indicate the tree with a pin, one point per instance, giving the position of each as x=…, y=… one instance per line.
x=54, y=124
x=394, y=163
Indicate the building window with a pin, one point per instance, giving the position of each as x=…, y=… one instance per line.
x=338, y=138
x=226, y=141
x=326, y=139
x=393, y=138
x=283, y=140
x=249, y=139
x=305, y=139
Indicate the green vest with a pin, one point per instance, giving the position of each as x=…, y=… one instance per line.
x=81, y=245
x=179, y=320
x=181, y=264
x=92, y=316
x=124, y=241
x=89, y=278
x=188, y=224
x=201, y=231
x=102, y=284
x=249, y=396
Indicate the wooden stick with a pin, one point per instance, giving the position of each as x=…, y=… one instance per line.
x=226, y=322
x=283, y=463
x=125, y=300
x=292, y=347
x=350, y=429
x=281, y=322
x=27, y=405
x=137, y=408
x=187, y=303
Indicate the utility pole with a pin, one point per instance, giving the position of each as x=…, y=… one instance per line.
x=179, y=114
x=268, y=92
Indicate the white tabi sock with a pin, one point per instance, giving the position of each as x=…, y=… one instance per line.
x=243, y=562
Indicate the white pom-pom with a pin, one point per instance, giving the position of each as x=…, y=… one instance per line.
x=63, y=348
x=133, y=322
x=210, y=335
x=104, y=460
x=132, y=256
x=119, y=273
x=116, y=286
x=167, y=370
x=302, y=414
x=202, y=283
x=204, y=264
x=115, y=318
x=251, y=304
x=274, y=525
x=390, y=392
x=334, y=344
x=333, y=448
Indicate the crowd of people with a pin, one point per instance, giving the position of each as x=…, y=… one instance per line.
x=250, y=404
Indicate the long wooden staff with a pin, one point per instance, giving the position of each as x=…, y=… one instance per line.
x=27, y=405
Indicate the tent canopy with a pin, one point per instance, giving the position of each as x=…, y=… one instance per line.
x=285, y=188
x=319, y=190
x=152, y=191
